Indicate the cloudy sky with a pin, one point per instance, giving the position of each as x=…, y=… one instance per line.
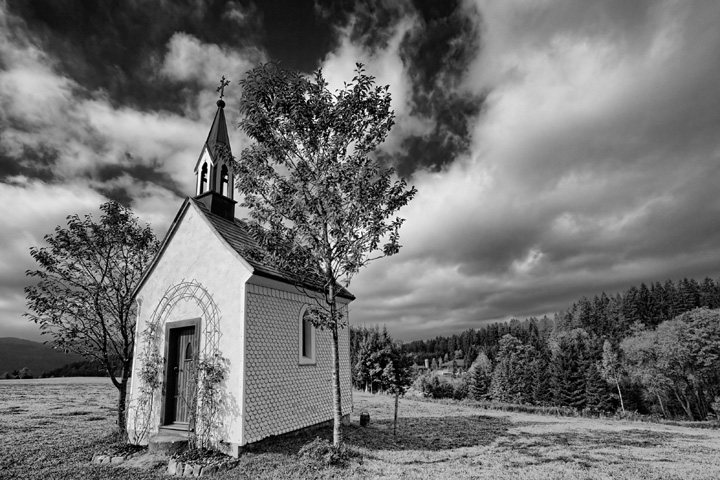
x=559, y=148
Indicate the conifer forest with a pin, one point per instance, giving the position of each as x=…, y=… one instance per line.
x=650, y=350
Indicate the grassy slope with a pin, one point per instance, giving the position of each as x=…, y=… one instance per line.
x=51, y=431
x=16, y=353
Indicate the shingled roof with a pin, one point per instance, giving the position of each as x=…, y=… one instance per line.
x=238, y=237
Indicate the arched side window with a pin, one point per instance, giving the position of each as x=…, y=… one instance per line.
x=203, y=179
x=189, y=351
x=224, y=181
x=306, y=338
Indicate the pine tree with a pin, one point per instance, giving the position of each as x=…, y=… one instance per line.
x=631, y=311
x=526, y=373
x=617, y=324
x=568, y=368
x=482, y=376
x=597, y=396
x=542, y=386
x=506, y=385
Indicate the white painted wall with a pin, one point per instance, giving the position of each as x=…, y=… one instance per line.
x=196, y=252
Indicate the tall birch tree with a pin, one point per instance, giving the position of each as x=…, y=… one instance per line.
x=321, y=204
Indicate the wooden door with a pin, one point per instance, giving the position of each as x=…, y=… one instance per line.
x=184, y=355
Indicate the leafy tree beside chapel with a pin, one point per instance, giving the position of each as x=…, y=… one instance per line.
x=321, y=204
x=83, y=298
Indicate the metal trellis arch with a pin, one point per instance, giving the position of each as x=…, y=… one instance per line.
x=210, y=317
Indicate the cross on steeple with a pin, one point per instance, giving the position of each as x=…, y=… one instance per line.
x=223, y=83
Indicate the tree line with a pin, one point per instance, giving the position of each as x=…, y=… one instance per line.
x=651, y=350
x=21, y=374
x=84, y=368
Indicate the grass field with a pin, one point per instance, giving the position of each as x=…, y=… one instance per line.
x=49, y=429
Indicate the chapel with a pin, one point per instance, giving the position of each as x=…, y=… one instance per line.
x=205, y=297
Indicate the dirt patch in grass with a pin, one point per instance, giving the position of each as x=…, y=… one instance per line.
x=429, y=433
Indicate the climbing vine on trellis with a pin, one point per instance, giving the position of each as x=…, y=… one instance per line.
x=150, y=381
x=208, y=373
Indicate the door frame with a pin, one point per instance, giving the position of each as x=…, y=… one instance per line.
x=166, y=396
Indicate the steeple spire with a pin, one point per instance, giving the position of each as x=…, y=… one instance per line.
x=214, y=178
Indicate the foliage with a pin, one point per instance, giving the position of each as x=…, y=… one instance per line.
x=325, y=454
x=612, y=369
x=396, y=376
x=509, y=381
x=603, y=316
x=669, y=368
x=149, y=382
x=369, y=356
x=209, y=375
x=321, y=205
x=22, y=374
x=431, y=385
x=569, y=365
x=381, y=362
x=597, y=397
x=678, y=362
x=85, y=368
x=84, y=295
x=482, y=376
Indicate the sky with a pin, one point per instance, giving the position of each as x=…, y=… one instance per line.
x=559, y=148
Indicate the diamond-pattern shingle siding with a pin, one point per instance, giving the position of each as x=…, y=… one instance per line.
x=281, y=395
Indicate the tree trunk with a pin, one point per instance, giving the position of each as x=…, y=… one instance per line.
x=699, y=396
x=397, y=396
x=662, y=407
x=121, y=385
x=122, y=398
x=622, y=404
x=337, y=406
x=685, y=405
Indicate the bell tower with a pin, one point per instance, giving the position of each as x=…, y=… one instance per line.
x=213, y=176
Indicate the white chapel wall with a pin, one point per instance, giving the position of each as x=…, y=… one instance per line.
x=195, y=253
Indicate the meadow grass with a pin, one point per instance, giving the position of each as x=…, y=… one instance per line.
x=51, y=429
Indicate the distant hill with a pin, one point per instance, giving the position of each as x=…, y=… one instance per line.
x=17, y=353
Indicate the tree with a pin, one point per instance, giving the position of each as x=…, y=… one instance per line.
x=569, y=366
x=84, y=295
x=372, y=358
x=482, y=376
x=542, y=393
x=611, y=369
x=320, y=203
x=507, y=382
x=702, y=337
x=597, y=397
x=367, y=341
x=397, y=374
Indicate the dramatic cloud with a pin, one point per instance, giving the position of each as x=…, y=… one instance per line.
x=592, y=167
x=559, y=148
x=422, y=50
x=60, y=136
